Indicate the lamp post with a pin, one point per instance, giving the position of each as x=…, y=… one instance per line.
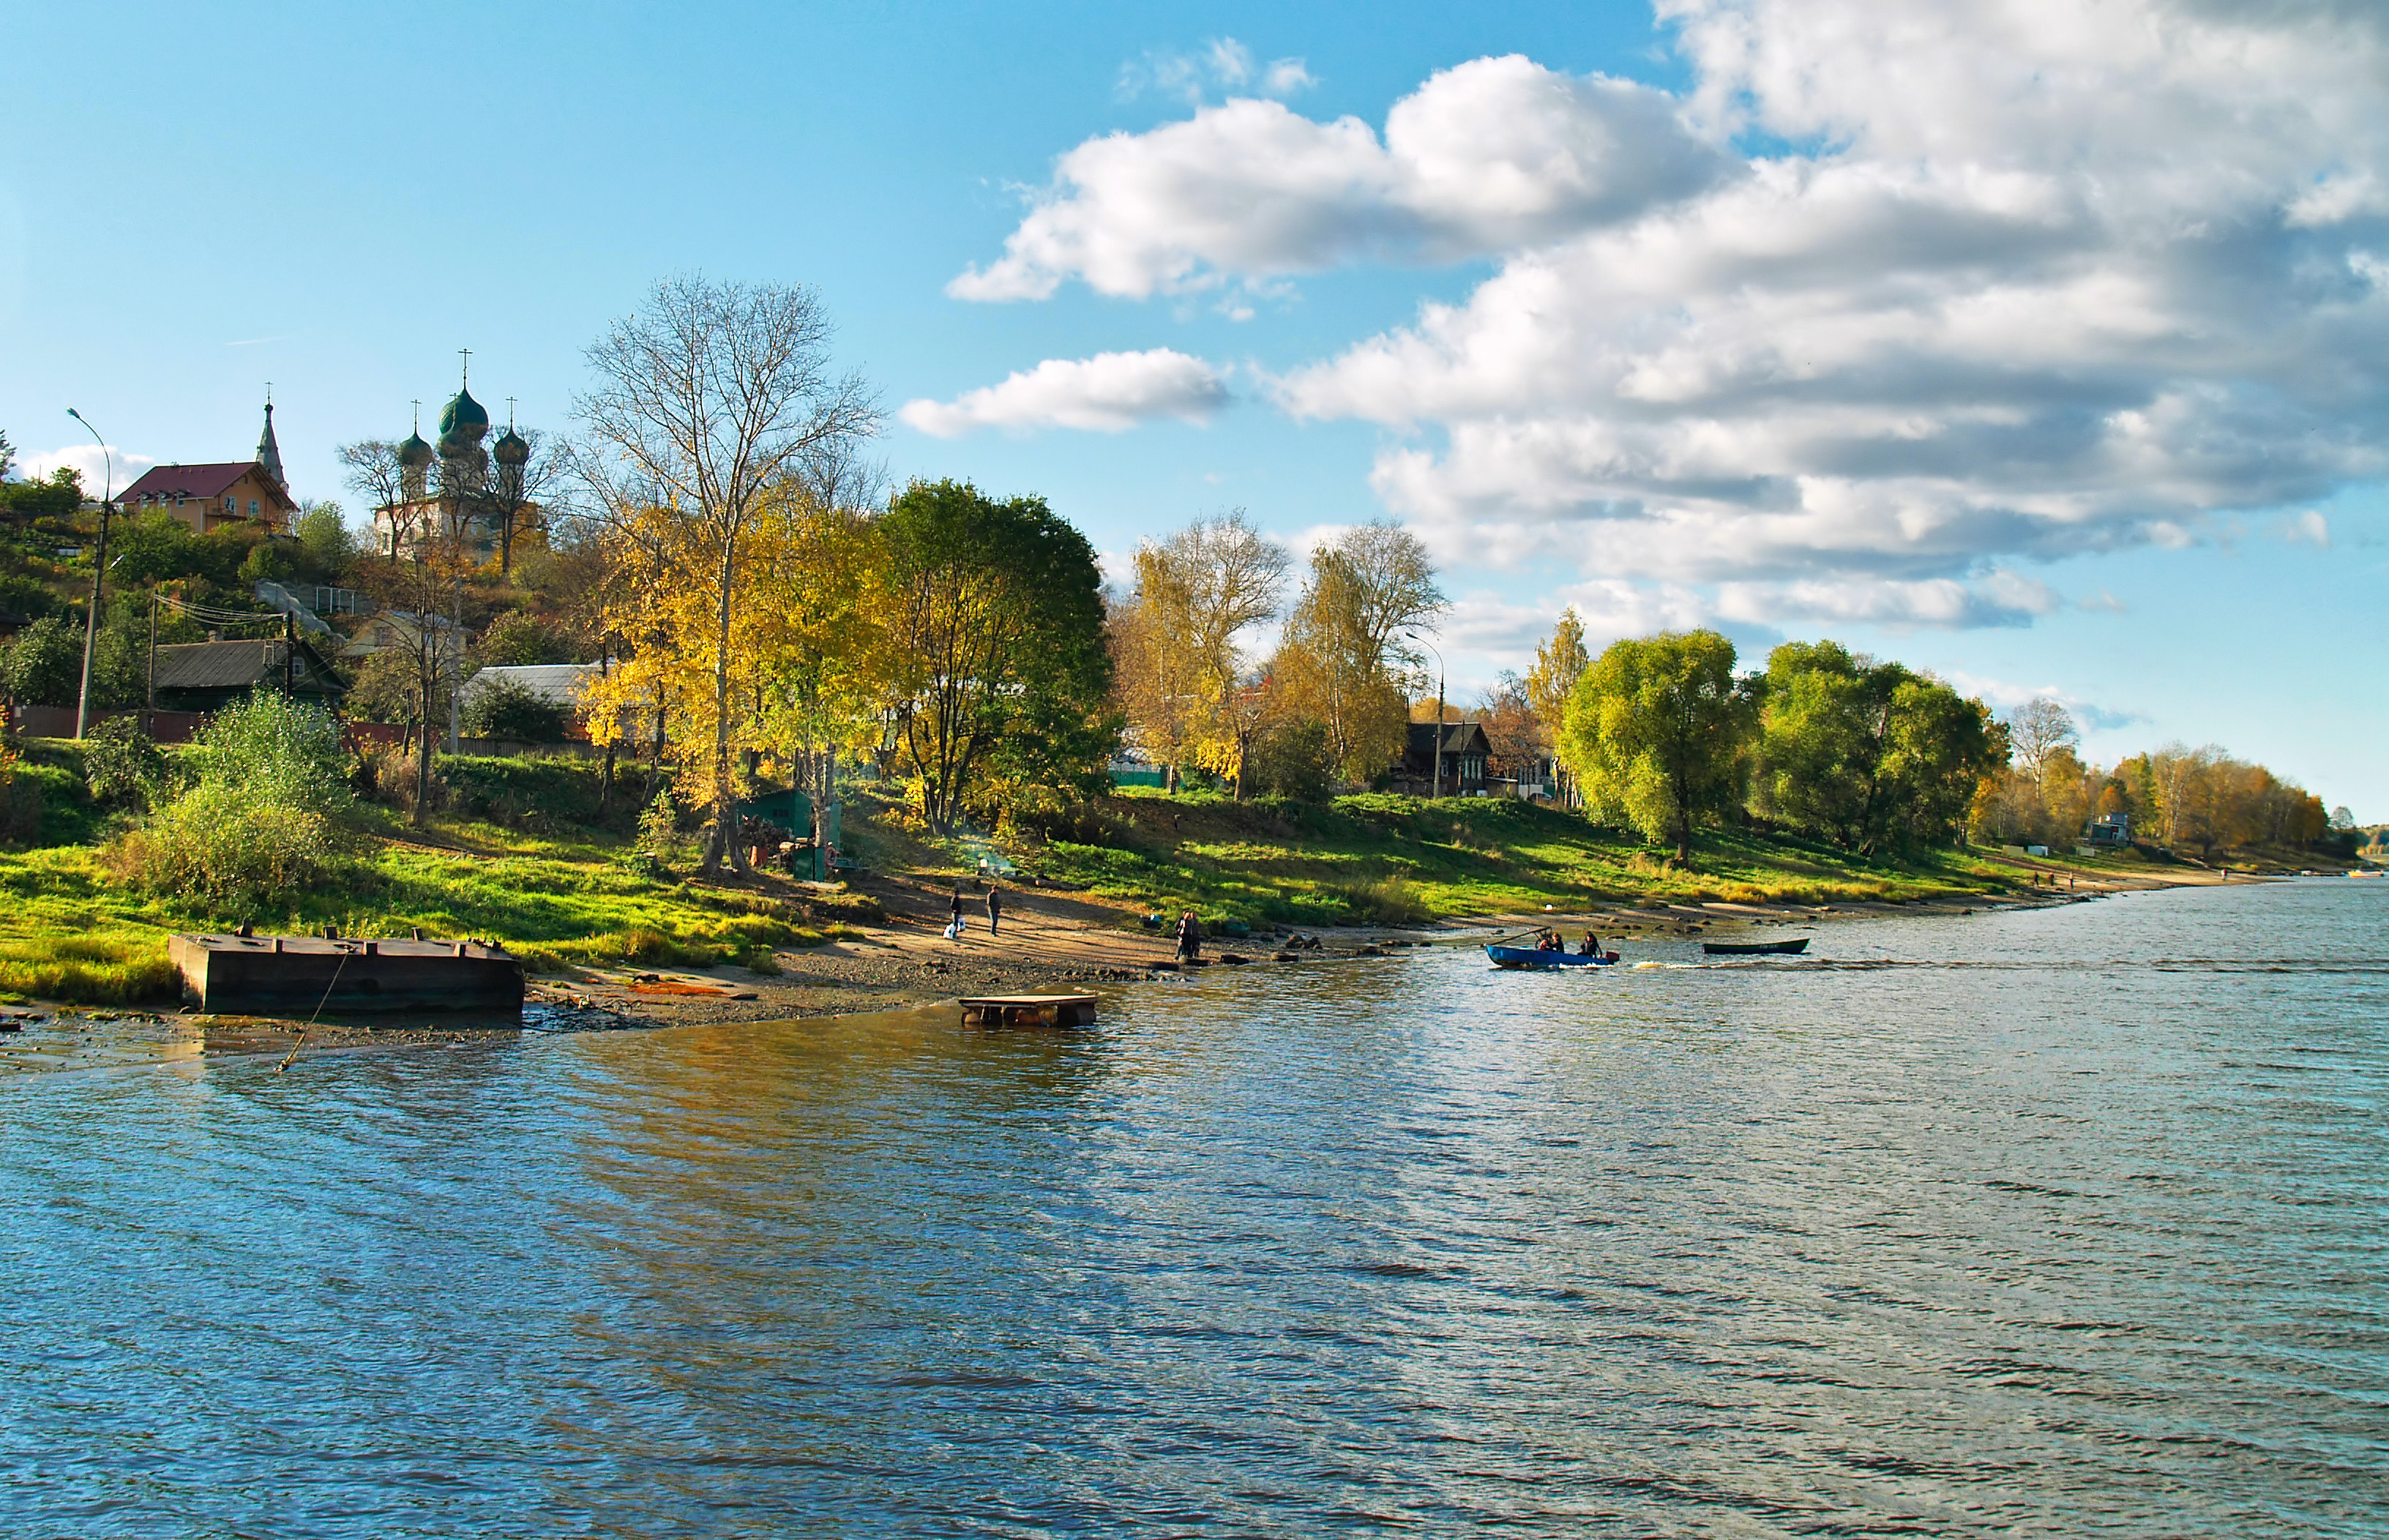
x=99, y=572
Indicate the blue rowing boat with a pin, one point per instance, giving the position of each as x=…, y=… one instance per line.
x=1535, y=957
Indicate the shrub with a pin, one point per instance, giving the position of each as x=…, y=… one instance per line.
x=121, y=764
x=517, y=638
x=1293, y=762
x=276, y=751
x=506, y=708
x=228, y=849
x=387, y=773
x=260, y=825
x=45, y=664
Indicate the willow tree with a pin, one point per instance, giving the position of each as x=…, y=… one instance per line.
x=1656, y=731
x=708, y=394
x=994, y=620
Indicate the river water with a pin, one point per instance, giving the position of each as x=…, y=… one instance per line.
x=2064, y=1222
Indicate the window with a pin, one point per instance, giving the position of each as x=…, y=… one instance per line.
x=232, y=506
x=252, y=507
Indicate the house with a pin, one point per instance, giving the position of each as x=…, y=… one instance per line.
x=2109, y=832
x=209, y=497
x=1466, y=751
x=403, y=629
x=209, y=676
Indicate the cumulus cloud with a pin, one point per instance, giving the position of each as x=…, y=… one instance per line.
x=1108, y=393
x=2061, y=278
x=1881, y=307
x=1485, y=157
x=86, y=460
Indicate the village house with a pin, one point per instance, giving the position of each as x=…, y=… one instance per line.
x=209, y=497
x=1467, y=752
x=209, y=676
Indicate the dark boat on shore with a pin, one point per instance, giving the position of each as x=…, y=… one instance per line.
x=1535, y=957
x=1755, y=948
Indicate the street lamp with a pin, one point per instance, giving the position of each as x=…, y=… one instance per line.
x=99, y=572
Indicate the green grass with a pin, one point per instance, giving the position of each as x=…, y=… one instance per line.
x=70, y=932
x=1392, y=860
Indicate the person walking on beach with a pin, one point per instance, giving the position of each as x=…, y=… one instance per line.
x=994, y=908
x=955, y=926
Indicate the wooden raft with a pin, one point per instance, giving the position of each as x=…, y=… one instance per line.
x=1029, y=1011
x=297, y=975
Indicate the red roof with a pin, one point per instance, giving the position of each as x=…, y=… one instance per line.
x=199, y=481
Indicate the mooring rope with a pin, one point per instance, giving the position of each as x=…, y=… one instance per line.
x=311, y=1020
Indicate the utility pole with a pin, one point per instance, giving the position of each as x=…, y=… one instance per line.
x=150, y=727
x=1438, y=715
x=98, y=574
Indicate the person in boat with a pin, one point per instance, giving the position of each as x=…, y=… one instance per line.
x=1549, y=941
x=1591, y=946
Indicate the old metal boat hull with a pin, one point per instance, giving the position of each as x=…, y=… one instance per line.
x=1755, y=948
x=300, y=975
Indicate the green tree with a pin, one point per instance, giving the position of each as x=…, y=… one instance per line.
x=1866, y=753
x=518, y=637
x=45, y=664
x=1656, y=733
x=55, y=500
x=994, y=616
x=326, y=548
x=502, y=709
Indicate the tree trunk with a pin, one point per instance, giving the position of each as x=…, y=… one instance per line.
x=725, y=799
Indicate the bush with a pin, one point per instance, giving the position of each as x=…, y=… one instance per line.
x=388, y=774
x=260, y=823
x=277, y=751
x=1293, y=762
x=122, y=765
x=228, y=850
x=517, y=638
x=504, y=708
x=45, y=664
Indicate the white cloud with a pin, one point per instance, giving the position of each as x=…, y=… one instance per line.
x=2002, y=599
x=1108, y=393
x=1923, y=293
x=2003, y=697
x=2061, y=278
x=2309, y=528
x=1488, y=156
x=86, y=460
x=1223, y=64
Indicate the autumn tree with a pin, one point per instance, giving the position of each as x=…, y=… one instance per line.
x=1184, y=680
x=1560, y=661
x=371, y=469
x=708, y=394
x=1347, y=657
x=994, y=615
x=1657, y=730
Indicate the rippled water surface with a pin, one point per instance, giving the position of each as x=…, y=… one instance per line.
x=2064, y=1222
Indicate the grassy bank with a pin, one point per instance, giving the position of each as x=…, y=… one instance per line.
x=552, y=889
x=1391, y=860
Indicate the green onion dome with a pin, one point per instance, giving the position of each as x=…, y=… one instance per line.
x=511, y=449
x=463, y=417
x=415, y=453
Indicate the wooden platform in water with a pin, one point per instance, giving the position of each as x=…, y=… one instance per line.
x=1029, y=1011
x=298, y=975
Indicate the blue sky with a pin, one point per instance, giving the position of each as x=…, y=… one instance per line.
x=1776, y=317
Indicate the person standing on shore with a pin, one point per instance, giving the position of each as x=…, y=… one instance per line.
x=1190, y=937
x=994, y=908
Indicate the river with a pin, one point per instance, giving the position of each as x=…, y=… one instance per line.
x=2064, y=1222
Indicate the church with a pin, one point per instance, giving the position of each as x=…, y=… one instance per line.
x=450, y=491
x=209, y=497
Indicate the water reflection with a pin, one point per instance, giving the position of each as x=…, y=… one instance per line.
x=2066, y=1222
